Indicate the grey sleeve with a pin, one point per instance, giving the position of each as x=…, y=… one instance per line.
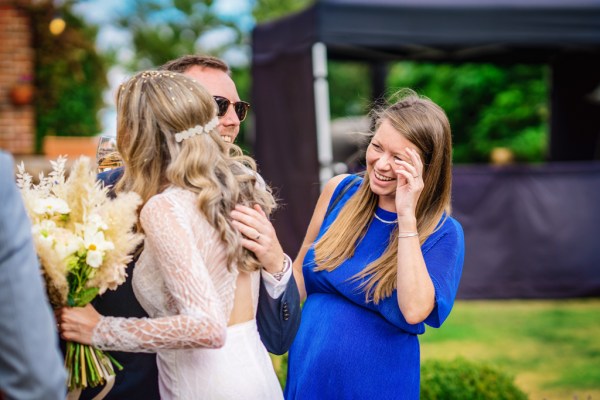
x=30, y=361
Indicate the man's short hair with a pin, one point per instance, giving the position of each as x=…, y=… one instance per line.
x=183, y=63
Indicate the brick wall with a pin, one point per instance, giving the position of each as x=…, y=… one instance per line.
x=17, y=123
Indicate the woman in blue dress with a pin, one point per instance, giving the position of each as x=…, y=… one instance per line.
x=381, y=258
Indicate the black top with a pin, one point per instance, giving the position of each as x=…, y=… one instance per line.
x=139, y=377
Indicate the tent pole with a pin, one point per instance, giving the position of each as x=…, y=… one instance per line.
x=379, y=72
x=322, y=115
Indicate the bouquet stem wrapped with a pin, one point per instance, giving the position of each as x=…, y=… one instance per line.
x=84, y=241
x=88, y=366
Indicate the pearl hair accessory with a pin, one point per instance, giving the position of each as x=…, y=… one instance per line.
x=197, y=130
x=157, y=74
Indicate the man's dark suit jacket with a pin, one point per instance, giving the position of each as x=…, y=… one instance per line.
x=277, y=319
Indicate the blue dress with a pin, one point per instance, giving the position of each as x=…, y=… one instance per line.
x=349, y=349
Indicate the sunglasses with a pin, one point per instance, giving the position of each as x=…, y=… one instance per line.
x=240, y=107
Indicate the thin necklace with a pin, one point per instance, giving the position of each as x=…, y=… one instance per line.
x=384, y=220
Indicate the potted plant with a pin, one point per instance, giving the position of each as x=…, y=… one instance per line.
x=21, y=94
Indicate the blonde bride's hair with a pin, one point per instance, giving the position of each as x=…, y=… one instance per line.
x=152, y=107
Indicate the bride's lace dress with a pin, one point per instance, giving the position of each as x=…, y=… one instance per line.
x=181, y=280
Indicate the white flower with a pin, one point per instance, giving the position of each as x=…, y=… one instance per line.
x=43, y=233
x=95, y=245
x=94, y=258
x=94, y=221
x=58, y=240
x=66, y=244
x=51, y=205
x=44, y=228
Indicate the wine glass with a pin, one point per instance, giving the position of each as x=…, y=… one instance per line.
x=107, y=156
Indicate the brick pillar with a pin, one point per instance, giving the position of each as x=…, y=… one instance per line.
x=17, y=122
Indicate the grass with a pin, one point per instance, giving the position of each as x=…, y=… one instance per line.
x=552, y=348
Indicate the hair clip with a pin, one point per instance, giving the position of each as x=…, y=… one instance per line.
x=197, y=130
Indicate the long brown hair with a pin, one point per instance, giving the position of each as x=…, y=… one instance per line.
x=152, y=107
x=424, y=124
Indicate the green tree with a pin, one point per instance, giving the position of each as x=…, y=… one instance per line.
x=267, y=10
x=162, y=30
x=488, y=105
x=70, y=75
x=349, y=88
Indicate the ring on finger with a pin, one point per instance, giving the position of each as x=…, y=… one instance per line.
x=257, y=237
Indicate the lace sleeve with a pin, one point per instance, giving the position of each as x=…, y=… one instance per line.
x=201, y=318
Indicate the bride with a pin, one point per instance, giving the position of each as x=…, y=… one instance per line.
x=194, y=278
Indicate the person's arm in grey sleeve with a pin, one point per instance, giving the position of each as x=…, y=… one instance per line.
x=31, y=365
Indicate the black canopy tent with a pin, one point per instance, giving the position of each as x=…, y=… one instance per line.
x=438, y=29
x=288, y=82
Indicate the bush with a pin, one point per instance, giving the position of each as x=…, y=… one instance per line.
x=461, y=379
x=448, y=380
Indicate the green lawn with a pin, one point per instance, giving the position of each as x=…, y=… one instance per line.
x=552, y=348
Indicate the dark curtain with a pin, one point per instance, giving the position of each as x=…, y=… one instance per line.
x=286, y=144
x=575, y=108
x=531, y=231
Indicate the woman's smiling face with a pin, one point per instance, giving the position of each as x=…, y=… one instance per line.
x=387, y=145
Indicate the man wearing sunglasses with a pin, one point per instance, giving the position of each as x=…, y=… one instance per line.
x=214, y=75
x=278, y=314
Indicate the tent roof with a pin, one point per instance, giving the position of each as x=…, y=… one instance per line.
x=444, y=30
